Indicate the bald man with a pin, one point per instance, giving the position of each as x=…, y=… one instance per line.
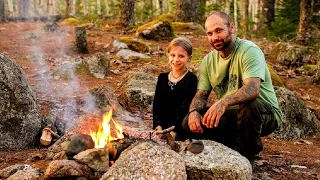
x=247, y=107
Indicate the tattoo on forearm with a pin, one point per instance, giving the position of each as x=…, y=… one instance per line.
x=250, y=90
x=200, y=100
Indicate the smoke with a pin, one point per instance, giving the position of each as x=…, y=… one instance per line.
x=65, y=92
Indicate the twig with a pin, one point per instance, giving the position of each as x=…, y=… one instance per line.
x=166, y=130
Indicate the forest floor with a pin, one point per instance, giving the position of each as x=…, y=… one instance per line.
x=24, y=41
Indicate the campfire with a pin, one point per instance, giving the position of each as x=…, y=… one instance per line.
x=103, y=135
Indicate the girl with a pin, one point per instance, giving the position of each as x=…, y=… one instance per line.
x=175, y=89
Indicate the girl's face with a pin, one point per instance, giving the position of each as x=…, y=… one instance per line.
x=178, y=58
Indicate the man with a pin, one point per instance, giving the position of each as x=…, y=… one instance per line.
x=247, y=107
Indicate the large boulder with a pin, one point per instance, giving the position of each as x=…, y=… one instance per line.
x=139, y=90
x=98, y=65
x=147, y=160
x=188, y=28
x=20, y=121
x=287, y=54
x=217, y=161
x=297, y=121
x=158, y=29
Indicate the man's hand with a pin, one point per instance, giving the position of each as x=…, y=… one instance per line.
x=194, y=122
x=214, y=113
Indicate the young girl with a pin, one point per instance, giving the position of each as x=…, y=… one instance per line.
x=175, y=89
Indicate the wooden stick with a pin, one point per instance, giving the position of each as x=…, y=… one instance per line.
x=165, y=130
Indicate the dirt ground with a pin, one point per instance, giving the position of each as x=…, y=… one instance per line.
x=25, y=41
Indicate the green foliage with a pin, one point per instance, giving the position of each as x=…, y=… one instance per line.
x=197, y=54
x=286, y=19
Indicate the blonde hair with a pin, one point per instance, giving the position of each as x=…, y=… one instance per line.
x=181, y=42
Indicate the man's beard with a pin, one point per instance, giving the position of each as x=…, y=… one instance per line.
x=223, y=43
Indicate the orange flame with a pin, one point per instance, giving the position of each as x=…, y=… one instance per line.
x=103, y=135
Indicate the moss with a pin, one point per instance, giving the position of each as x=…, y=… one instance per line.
x=84, y=25
x=135, y=44
x=307, y=69
x=276, y=80
x=72, y=21
x=185, y=27
x=82, y=69
x=166, y=18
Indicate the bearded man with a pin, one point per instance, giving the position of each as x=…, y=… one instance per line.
x=247, y=107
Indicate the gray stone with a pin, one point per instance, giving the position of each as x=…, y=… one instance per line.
x=297, y=121
x=26, y=174
x=8, y=171
x=287, y=54
x=127, y=54
x=119, y=45
x=98, y=65
x=156, y=30
x=140, y=89
x=20, y=121
x=78, y=143
x=97, y=159
x=217, y=161
x=147, y=160
x=67, y=168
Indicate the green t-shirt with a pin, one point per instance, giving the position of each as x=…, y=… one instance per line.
x=226, y=75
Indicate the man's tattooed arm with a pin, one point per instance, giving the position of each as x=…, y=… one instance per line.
x=199, y=101
x=250, y=90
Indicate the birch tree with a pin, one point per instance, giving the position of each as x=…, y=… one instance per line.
x=84, y=3
x=127, y=13
x=99, y=7
x=235, y=16
x=23, y=8
x=161, y=6
x=10, y=7
x=304, y=29
x=74, y=7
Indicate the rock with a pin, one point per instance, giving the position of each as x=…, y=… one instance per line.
x=78, y=143
x=297, y=121
x=147, y=160
x=139, y=90
x=97, y=159
x=192, y=28
x=67, y=168
x=276, y=80
x=135, y=45
x=216, y=161
x=98, y=65
x=20, y=122
x=288, y=54
x=119, y=45
x=158, y=29
x=26, y=174
x=129, y=55
x=8, y=171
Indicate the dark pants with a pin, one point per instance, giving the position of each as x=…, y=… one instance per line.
x=240, y=129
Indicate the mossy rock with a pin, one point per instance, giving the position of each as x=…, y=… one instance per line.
x=72, y=21
x=195, y=28
x=308, y=69
x=276, y=80
x=158, y=29
x=135, y=44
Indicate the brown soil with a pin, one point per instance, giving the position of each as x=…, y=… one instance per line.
x=276, y=159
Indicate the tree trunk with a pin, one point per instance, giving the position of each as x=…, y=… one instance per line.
x=24, y=8
x=10, y=7
x=84, y=3
x=244, y=5
x=67, y=13
x=127, y=13
x=187, y=10
x=304, y=29
x=81, y=40
x=235, y=16
x=227, y=7
x=161, y=6
x=266, y=15
x=74, y=7
x=99, y=7
x=107, y=7
x=2, y=11
x=255, y=12
x=202, y=10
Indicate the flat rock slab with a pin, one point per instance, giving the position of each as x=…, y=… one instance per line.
x=217, y=161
